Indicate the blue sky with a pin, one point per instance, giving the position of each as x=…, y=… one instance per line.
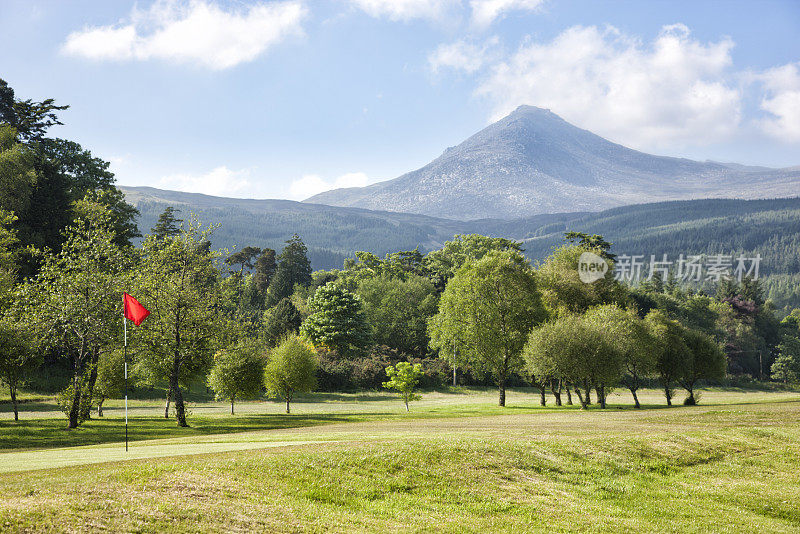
x=285, y=99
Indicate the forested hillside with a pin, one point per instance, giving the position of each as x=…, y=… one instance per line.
x=767, y=227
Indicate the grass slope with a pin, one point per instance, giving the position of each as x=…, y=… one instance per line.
x=728, y=465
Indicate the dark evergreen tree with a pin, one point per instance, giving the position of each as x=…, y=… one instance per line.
x=293, y=269
x=167, y=224
x=282, y=320
x=264, y=270
x=244, y=258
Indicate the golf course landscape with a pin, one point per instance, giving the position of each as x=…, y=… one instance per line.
x=457, y=462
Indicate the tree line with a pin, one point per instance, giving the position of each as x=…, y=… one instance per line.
x=475, y=311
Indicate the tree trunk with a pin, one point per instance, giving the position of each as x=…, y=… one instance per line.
x=668, y=394
x=542, y=396
x=635, y=398
x=100, y=407
x=166, y=405
x=87, y=406
x=583, y=402
x=455, y=376
x=690, y=400
x=588, y=390
x=180, y=409
x=287, y=405
x=569, y=395
x=601, y=395
x=13, y=390
x=75, y=409
x=231, y=405
x=502, y=388
x=406, y=399
x=556, y=390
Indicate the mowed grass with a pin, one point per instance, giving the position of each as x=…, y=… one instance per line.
x=728, y=465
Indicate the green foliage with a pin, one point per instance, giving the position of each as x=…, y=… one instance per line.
x=705, y=361
x=563, y=292
x=595, y=242
x=167, y=225
x=337, y=321
x=445, y=262
x=244, y=258
x=628, y=338
x=17, y=358
x=576, y=349
x=17, y=173
x=787, y=365
x=110, y=377
x=291, y=369
x=265, y=268
x=485, y=314
x=74, y=304
x=238, y=373
x=281, y=320
x=404, y=378
x=399, y=309
x=179, y=284
x=672, y=353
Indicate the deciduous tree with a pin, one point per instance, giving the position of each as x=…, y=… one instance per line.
x=404, y=378
x=485, y=314
x=238, y=372
x=291, y=368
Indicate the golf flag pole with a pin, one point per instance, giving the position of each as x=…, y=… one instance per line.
x=133, y=310
x=125, y=359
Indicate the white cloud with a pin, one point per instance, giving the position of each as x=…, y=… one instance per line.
x=198, y=31
x=484, y=12
x=311, y=184
x=462, y=55
x=405, y=10
x=672, y=92
x=782, y=85
x=220, y=181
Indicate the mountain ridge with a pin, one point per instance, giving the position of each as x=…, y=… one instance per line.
x=533, y=162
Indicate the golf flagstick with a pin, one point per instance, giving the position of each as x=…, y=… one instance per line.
x=133, y=310
x=125, y=359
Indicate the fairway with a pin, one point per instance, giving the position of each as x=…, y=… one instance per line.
x=455, y=463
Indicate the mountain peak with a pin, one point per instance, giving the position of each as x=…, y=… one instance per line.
x=532, y=162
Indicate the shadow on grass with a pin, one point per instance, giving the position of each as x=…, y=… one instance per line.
x=52, y=433
x=31, y=406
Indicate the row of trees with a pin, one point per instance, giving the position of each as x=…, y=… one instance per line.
x=476, y=306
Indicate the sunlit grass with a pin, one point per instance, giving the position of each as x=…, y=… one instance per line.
x=716, y=467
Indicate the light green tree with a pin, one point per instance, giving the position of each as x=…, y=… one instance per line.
x=75, y=302
x=786, y=367
x=404, y=378
x=179, y=284
x=445, y=262
x=563, y=292
x=238, y=373
x=291, y=368
x=485, y=314
x=337, y=321
x=577, y=350
x=627, y=335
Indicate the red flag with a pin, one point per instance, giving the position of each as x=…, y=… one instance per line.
x=133, y=310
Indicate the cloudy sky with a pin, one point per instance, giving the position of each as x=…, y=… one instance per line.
x=284, y=99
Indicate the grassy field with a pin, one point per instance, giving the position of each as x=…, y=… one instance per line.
x=456, y=463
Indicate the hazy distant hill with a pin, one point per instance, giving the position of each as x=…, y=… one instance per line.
x=533, y=162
